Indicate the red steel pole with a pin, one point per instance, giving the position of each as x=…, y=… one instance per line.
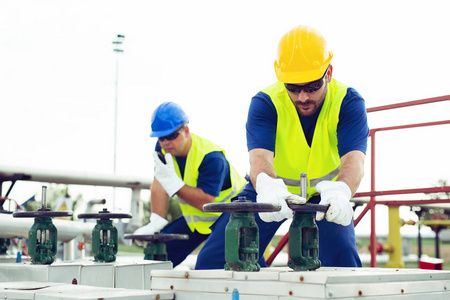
x=373, y=236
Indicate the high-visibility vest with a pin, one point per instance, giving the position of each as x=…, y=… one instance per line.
x=293, y=155
x=195, y=218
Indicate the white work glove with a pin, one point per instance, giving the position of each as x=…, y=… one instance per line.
x=337, y=194
x=166, y=175
x=274, y=191
x=156, y=224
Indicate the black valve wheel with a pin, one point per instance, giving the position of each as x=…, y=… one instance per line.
x=308, y=207
x=241, y=206
x=157, y=237
x=104, y=215
x=42, y=213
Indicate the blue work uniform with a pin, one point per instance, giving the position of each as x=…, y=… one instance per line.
x=337, y=243
x=214, y=177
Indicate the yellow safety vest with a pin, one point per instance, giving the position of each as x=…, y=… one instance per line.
x=195, y=218
x=293, y=155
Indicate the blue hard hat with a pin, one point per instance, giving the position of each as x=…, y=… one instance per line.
x=167, y=118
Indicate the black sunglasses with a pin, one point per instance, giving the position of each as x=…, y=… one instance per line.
x=172, y=136
x=308, y=88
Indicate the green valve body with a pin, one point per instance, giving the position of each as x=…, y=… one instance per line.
x=42, y=236
x=104, y=241
x=304, y=242
x=42, y=241
x=4, y=245
x=156, y=248
x=155, y=251
x=241, y=243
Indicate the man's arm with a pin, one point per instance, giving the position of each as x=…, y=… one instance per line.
x=195, y=197
x=160, y=203
x=352, y=169
x=261, y=161
x=191, y=195
x=159, y=199
x=269, y=189
x=338, y=193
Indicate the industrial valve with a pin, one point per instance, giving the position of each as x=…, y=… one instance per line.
x=42, y=236
x=156, y=246
x=304, y=234
x=241, y=232
x=104, y=234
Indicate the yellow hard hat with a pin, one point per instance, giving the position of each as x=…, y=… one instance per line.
x=302, y=55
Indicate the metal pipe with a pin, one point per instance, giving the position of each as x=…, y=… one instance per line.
x=44, y=196
x=409, y=103
x=395, y=239
x=419, y=242
x=436, y=243
x=68, y=252
x=11, y=227
x=82, y=178
x=303, y=185
x=373, y=236
x=444, y=122
x=439, y=189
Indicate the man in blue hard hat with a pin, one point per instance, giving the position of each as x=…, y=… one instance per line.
x=193, y=168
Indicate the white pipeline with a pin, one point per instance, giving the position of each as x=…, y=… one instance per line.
x=11, y=227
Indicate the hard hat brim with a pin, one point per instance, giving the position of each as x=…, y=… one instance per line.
x=159, y=134
x=302, y=76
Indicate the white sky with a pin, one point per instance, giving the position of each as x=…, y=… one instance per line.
x=58, y=70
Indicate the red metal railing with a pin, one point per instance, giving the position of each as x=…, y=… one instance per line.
x=373, y=193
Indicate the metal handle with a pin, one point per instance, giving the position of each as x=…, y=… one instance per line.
x=44, y=196
x=303, y=185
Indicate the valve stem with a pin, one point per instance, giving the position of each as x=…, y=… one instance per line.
x=44, y=196
x=303, y=185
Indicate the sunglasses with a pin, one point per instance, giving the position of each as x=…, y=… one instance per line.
x=172, y=136
x=308, y=88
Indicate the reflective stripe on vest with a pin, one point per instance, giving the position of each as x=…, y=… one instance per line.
x=293, y=155
x=312, y=182
x=195, y=218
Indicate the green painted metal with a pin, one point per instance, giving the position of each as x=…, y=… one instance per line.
x=104, y=241
x=304, y=242
x=155, y=251
x=242, y=243
x=42, y=241
x=4, y=245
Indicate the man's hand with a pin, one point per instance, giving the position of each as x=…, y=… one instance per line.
x=337, y=194
x=166, y=175
x=274, y=191
x=156, y=224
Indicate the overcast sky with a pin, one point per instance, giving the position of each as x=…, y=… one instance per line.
x=58, y=73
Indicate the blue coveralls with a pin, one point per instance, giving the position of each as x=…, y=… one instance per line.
x=337, y=244
x=214, y=176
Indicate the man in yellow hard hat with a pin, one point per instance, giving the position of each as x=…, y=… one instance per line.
x=306, y=122
x=193, y=168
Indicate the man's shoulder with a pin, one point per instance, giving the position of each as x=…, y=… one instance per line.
x=353, y=99
x=199, y=139
x=352, y=93
x=204, y=145
x=214, y=160
x=261, y=101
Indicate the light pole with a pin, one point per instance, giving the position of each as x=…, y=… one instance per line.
x=118, y=49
